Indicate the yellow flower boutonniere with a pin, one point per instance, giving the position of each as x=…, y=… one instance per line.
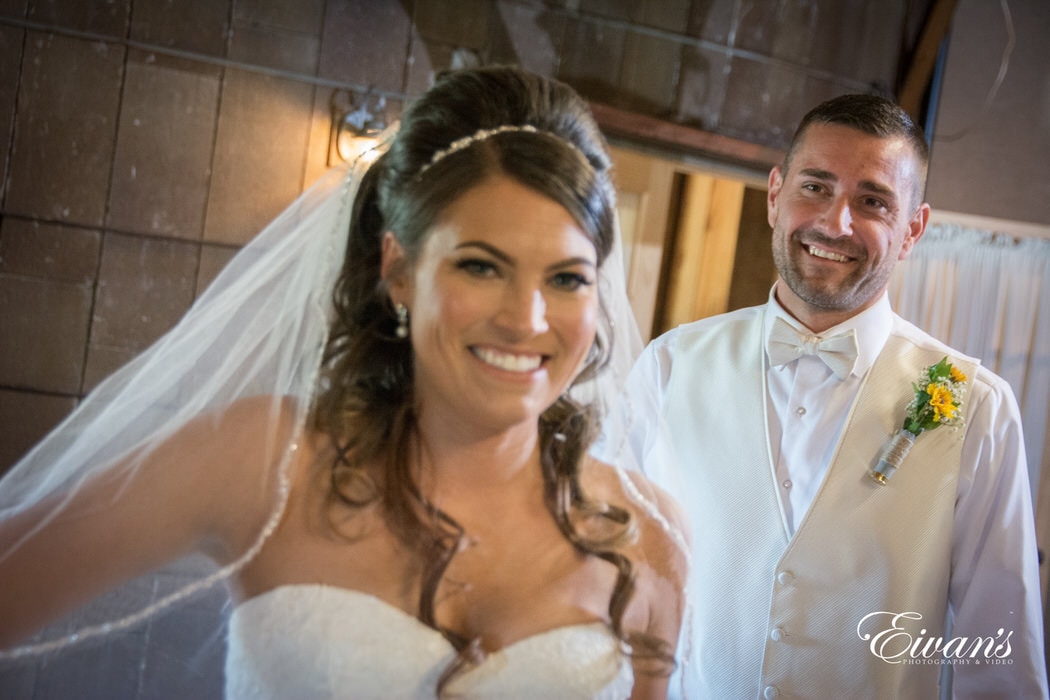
x=937, y=402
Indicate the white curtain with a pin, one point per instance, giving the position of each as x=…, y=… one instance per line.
x=987, y=294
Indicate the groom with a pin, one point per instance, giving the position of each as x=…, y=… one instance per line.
x=809, y=578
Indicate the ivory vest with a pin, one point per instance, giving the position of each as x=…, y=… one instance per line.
x=778, y=616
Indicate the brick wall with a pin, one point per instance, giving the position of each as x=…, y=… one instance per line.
x=143, y=141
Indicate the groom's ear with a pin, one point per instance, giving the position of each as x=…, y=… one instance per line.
x=916, y=227
x=776, y=182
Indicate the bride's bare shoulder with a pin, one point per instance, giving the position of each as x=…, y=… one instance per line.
x=255, y=428
x=659, y=515
x=659, y=550
x=232, y=460
x=270, y=412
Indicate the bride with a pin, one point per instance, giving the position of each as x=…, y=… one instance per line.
x=392, y=479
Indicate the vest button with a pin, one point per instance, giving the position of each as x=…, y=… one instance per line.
x=770, y=692
x=777, y=634
x=785, y=577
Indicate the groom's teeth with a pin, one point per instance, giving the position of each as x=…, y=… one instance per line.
x=826, y=254
x=506, y=361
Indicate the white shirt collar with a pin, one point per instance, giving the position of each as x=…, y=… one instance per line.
x=871, y=326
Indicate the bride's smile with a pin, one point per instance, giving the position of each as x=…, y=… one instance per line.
x=508, y=361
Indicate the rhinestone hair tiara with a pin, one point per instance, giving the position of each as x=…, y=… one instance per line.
x=482, y=134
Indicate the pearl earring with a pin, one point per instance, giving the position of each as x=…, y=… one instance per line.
x=402, y=321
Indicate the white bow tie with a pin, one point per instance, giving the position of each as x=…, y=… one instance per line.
x=839, y=352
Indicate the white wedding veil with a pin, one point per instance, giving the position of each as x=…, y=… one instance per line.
x=259, y=332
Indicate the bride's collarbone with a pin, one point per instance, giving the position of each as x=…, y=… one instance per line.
x=514, y=569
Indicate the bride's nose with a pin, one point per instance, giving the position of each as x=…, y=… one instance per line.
x=522, y=310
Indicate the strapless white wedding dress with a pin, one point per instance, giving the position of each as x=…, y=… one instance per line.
x=307, y=642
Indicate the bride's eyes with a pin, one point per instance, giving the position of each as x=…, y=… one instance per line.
x=564, y=281
x=570, y=281
x=477, y=267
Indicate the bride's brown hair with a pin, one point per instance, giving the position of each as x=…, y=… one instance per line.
x=366, y=401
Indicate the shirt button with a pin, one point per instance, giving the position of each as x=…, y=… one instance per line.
x=770, y=692
x=787, y=483
x=800, y=411
x=785, y=577
x=777, y=634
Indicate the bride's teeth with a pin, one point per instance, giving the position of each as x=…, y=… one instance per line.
x=826, y=254
x=511, y=363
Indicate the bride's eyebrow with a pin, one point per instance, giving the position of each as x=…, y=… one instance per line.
x=487, y=247
x=573, y=262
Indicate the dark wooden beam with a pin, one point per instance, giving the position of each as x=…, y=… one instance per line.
x=644, y=129
x=920, y=69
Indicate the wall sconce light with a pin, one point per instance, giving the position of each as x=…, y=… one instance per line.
x=357, y=122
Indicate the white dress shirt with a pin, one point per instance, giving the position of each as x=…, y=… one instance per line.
x=808, y=405
x=995, y=578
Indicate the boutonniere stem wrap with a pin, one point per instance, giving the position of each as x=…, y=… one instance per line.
x=937, y=401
